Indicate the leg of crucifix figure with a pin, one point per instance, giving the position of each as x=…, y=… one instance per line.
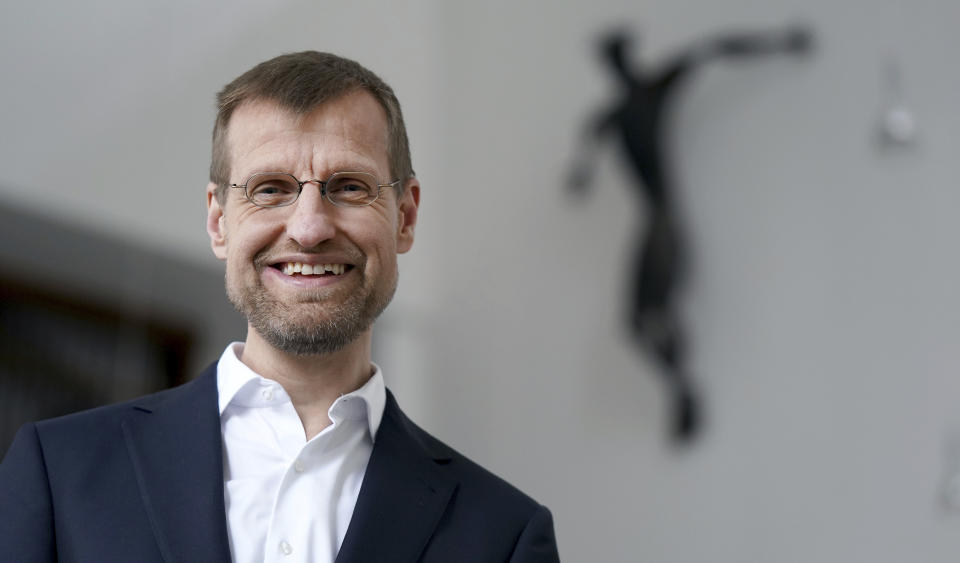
x=654, y=319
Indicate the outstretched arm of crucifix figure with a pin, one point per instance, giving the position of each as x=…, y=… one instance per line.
x=614, y=51
x=580, y=176
x=738, y=45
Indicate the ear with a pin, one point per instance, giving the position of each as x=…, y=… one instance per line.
x=215, y=223
x=407, y=205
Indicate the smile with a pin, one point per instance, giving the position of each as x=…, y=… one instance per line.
x=300, y=268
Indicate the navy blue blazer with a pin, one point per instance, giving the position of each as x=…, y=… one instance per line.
x=143, y=481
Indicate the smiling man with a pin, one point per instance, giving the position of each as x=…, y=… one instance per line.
x=289, y=448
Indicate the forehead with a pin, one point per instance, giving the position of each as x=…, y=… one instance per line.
x=348, y=132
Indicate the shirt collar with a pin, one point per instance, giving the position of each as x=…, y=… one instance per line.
x=236, y=383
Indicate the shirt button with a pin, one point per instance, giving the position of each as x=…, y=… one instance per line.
x=298, y=466
x=267, y=394
x=286, y=548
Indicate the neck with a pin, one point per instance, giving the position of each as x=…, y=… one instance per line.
x=313, y=382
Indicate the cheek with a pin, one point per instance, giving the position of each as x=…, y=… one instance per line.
x=373, y=231
x=245, y=240
x=383, y=243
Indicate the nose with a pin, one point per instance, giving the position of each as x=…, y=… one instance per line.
x=311, y=218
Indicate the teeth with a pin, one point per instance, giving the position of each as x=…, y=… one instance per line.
x=290, y=268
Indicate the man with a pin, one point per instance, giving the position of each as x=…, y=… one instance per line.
x=289, y=448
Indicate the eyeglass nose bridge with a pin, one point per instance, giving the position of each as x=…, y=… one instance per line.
x=322, y=184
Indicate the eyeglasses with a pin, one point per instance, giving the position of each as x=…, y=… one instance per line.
x=345, y=189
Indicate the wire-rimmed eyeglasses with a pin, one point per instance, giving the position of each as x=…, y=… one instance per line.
x=345, y=189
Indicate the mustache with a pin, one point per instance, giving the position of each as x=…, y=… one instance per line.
x=268, y=256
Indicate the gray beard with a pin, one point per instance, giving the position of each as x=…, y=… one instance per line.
x=277, y=322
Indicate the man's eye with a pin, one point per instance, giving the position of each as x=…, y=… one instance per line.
x=267, y=189
x=349, y=188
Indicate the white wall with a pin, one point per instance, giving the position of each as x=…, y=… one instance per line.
x=823, y=310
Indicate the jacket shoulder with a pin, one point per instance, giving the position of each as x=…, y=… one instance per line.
x=487, y=518
x=476, y=484
x=92, y=424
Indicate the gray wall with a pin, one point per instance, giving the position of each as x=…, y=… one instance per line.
x=823, y=311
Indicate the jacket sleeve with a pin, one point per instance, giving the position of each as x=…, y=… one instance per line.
x=26, y=514
x=537, y=543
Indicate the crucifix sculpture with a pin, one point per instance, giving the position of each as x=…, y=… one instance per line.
x=637, y=119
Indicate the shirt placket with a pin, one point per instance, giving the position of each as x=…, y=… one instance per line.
x=290, y=537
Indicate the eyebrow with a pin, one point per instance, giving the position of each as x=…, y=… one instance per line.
x=283, y=170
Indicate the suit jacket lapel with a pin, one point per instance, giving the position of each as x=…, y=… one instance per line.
x=175, y=444
x=403, y=496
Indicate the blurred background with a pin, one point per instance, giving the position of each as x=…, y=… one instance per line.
x=823, y=309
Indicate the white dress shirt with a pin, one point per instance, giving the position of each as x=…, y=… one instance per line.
x=288, y=499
